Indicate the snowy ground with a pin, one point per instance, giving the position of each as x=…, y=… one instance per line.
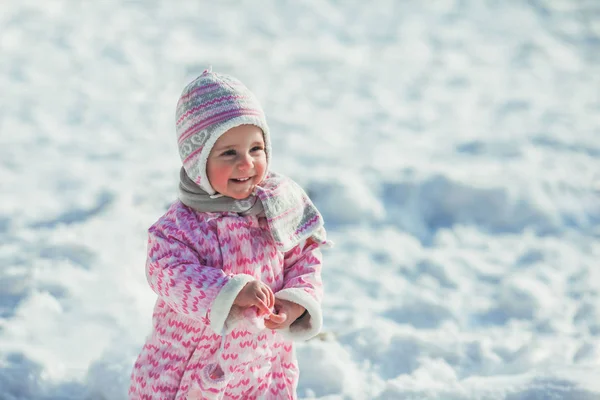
x=453, y=147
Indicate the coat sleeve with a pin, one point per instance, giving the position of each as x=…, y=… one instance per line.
x=175, y=273
x=303, y=285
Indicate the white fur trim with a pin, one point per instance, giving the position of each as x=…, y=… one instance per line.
x=309, y=325
x=223, y=304
x=215, y=135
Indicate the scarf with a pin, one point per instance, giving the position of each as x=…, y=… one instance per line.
x=291, y=215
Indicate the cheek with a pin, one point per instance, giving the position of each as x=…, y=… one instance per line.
x=218, y=175
x=262, y=166
x=223, y=175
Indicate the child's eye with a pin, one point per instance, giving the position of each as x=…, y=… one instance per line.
x=257, y=148
x=228, y=153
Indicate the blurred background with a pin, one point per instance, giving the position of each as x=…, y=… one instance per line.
x=453, y=147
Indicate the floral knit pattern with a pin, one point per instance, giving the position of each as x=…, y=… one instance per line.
x=192, y=258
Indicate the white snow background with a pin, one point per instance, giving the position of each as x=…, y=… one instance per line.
x=452, y=146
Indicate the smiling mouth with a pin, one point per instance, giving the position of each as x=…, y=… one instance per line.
x=240, y=180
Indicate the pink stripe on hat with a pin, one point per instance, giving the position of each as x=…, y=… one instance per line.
x=216, y=119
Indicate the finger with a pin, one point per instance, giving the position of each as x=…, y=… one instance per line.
x=283, y=315
x=278, y=318
x=270, y=298
x=263, y=296
x=262, y=307
x=260, y=296
x=270, y=324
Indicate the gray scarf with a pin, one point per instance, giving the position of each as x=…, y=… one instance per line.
x=193, y=196
x=290, y=214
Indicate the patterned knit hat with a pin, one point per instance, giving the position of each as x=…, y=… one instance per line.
x=208, y=107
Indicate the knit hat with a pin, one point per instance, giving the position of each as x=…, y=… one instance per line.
x=208, y=107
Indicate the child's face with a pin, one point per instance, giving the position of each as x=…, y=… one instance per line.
x=237, y=161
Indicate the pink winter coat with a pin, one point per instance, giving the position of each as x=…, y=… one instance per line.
x=197, y=264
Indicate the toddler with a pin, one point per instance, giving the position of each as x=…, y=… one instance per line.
x=235, y=262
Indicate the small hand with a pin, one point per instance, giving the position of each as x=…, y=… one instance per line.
x=286, y=312
x=256, y=293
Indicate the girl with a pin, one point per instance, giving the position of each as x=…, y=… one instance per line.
x=235, y=262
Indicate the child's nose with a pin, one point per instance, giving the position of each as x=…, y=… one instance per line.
x=245, y=162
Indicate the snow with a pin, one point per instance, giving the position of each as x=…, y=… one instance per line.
x=452, y=146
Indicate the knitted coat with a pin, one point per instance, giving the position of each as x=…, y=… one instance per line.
x=197, y=264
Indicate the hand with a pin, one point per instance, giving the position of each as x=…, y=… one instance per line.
x=257, y=294
x=286, y=312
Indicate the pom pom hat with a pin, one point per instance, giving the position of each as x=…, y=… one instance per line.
x=208, y=107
